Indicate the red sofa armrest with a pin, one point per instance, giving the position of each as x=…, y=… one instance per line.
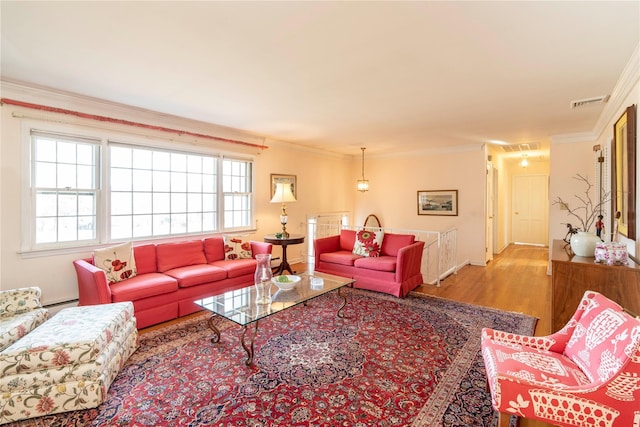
x=409, y=261
x=324, y=245
x=93, y=288
x=260, y=248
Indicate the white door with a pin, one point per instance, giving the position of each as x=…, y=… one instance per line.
x=529, y=215
x=490, y=213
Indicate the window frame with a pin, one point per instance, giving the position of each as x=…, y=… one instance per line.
x=103, y=138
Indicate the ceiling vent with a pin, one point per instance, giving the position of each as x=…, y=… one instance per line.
x=517, y=148
x=588, y=101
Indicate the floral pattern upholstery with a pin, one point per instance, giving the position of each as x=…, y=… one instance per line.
x=20, y=313
x=67, y=363
x=236, y=248
x=368, y=243
x=586, y=374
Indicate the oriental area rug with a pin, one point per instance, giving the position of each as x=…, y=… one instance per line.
x=394, y=362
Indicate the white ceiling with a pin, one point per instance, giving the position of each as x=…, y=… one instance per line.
x=391, y=76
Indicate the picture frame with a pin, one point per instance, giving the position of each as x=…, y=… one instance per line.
x=278, y=178
x=624, y=174
x=438, y=202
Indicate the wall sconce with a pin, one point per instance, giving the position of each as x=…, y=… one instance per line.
x=363, y=184
x=283, y=195
x=524, y=162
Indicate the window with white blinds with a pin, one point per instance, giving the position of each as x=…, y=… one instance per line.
x=64, y=191
x=146, y=192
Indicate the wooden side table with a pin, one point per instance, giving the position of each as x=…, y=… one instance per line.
x=572, y=275
x=293, y=239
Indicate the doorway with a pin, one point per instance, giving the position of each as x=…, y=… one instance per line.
x=529, y=213
x=490, y=203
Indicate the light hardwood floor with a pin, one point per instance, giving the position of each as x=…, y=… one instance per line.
x=515, y=280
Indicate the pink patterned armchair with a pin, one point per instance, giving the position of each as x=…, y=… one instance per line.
x=586, y=374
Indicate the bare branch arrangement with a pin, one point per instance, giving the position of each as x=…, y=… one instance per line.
x=588, y=210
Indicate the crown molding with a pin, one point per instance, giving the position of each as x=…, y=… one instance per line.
x=293, y=146
x=72, y=101
x=628, y=79
x=572, y=138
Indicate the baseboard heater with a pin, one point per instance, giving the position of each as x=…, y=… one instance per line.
x=56, y=307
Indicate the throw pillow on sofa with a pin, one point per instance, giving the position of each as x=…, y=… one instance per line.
x=236, y=248
x=117, y=262
x=368, y=243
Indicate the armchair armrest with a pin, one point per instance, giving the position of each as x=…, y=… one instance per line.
x=20, y=300
x=93, y=287
x=549, y=342
x=324, y=245
x=409, y=261
x=261, y=248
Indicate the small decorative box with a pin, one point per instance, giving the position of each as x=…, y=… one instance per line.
x=611, y=253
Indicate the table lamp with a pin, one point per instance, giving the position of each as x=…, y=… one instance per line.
x=282, y=195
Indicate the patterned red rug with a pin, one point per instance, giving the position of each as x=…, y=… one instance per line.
x=395, y=362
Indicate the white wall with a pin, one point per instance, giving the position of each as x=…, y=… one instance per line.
x=394, y=182
x=324, y=185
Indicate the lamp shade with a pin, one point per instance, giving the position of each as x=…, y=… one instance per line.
x=283, y=193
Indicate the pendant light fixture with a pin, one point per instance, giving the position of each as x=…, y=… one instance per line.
x=363, y=184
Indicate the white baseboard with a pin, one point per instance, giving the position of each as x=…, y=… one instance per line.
x=55, y=308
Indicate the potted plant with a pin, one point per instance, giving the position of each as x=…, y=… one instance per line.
x=587, y=213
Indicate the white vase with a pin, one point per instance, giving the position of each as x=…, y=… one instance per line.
x=584, y=244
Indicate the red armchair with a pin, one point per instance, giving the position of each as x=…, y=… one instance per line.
x=586, y=374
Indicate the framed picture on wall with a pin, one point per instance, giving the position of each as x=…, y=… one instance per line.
x=440, y=202
x=290, y=179
x=624, y=173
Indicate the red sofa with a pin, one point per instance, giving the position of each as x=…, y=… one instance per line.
x=395, y=271
x=170, y=276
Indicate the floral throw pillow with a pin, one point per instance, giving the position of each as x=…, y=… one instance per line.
x=368, y=243
x=236, y=248
x=117, y=262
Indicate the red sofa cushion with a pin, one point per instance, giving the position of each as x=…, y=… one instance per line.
x=214, y=248
x=182, y=254
x=143, y=286
x=145, y=256
x=238, y=267
x=382, y=263
x=392, y=243
x=340, y=257
x=347, y=239
x=197, y=274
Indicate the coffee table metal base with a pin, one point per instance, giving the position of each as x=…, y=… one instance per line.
x=248, y=347
x=340, y=314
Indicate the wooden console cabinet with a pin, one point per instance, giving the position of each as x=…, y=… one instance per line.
x=572, y=275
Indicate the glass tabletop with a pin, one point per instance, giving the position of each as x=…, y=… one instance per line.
x=240, y=305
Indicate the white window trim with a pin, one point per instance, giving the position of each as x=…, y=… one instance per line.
x=29, y=249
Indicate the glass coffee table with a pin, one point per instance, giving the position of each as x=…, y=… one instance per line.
x=240, y=306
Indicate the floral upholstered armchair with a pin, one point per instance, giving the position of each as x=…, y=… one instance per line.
x=20, y=313
x=586, y=374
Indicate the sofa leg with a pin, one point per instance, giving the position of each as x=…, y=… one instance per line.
x=504, y=420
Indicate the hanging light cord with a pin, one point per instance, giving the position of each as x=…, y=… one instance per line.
x=363, y=148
